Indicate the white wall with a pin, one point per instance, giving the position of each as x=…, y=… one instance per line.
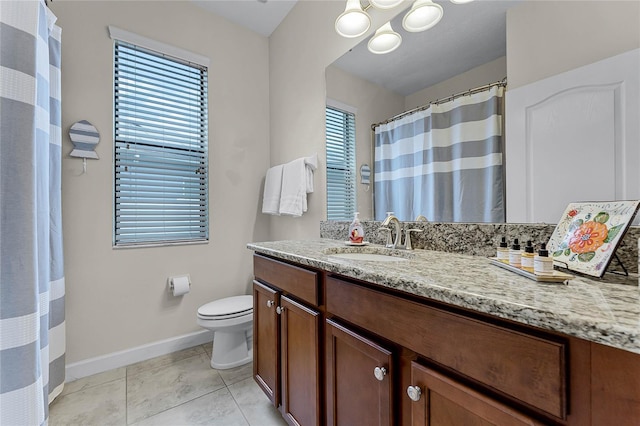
x=117, y=299
x=545, y=38
x=374, y=104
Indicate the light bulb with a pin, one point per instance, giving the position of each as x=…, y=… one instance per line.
x=385, y=40
x=353, y=22
x=423, y=15
x=384, y=4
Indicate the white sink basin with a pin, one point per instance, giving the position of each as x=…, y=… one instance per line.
x=371, y=257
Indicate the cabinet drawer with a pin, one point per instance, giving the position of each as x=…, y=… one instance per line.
x=295, y=281
x=522, y=366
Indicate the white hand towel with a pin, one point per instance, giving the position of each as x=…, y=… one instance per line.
x=311, y=163
x=293, y=198
x=272, y=189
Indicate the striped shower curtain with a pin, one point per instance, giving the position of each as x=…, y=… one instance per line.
x=444, y=162
x=32, y=294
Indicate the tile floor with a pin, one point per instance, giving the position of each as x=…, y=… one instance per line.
x=178, y=389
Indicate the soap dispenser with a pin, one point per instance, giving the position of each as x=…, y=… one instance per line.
x=356, y=231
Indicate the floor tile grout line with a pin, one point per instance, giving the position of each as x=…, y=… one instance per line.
x=244, y=416
x=183, y=403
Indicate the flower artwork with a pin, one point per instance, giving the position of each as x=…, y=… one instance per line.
x=588, y=234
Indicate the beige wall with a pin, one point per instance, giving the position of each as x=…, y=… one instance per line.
x=545, y=38
x=117, y=299
x=490, y=72
x=374, y=104
x=299, y=51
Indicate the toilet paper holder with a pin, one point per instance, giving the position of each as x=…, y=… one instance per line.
x=179, y=284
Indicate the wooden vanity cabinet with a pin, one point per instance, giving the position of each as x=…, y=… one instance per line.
x=286, y=339
x=359, y=379
x=321, y=342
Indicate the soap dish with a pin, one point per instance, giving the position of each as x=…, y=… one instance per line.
x=556, y=277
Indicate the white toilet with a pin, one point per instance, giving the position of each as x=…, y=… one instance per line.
x=231, y=320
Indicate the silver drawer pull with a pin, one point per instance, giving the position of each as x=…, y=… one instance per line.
x=270, y=303
x=379, y=373
x=279, y=310
x=414, y=393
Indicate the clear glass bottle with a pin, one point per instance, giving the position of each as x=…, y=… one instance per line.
x=356, y=231
x=503, y=251
x=527, y=257
x=515, y=255
x=542, y=263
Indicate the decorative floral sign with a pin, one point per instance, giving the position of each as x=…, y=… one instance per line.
x=588, y=234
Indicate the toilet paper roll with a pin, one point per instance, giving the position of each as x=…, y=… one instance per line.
x=179, y=285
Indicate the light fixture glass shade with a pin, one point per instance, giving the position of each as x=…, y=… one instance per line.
x=384, y=4
x=423, y=15
x=353, y=22
x=461, y=1
x=385, y=40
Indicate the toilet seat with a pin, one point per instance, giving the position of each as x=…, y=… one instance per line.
x=227, y=308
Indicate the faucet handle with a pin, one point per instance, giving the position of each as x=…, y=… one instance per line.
x=408, y=244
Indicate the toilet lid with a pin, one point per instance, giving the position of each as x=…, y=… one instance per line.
x=229, y=306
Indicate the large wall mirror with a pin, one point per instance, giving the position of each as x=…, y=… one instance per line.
x=468, y=48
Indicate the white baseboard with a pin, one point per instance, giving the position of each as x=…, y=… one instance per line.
x=119, y=359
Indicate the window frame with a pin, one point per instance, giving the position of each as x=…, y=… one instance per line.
x=347, y=166
x=188, y=153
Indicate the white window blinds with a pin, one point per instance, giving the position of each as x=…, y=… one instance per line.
x=161, y=160
x=341, y=164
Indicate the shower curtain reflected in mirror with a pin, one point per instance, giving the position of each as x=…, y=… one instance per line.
x=32, y=291
x=444, y=162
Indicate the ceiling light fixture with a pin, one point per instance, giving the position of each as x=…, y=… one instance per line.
x=384, y=4
x=423, y=15
x=354, y=21
x=385, y=40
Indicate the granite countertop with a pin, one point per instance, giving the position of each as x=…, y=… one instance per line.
x=607, y=313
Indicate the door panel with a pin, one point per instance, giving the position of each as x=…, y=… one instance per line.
x=266, y=340
x=300, y=363
x=354, y=395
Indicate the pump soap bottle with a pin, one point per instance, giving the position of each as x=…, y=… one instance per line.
x=356, y=231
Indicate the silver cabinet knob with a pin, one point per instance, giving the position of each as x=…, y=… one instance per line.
x=379, y=373
x=279, y=310
x=270, y=303
x=414, y=393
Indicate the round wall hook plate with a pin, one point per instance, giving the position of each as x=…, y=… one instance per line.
x=84, y=137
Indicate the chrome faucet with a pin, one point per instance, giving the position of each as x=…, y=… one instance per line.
x=385, y=225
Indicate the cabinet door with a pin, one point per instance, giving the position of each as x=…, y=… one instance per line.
x=266, y=341
x=440, y=401
x=359, y=380
x=300, y=358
